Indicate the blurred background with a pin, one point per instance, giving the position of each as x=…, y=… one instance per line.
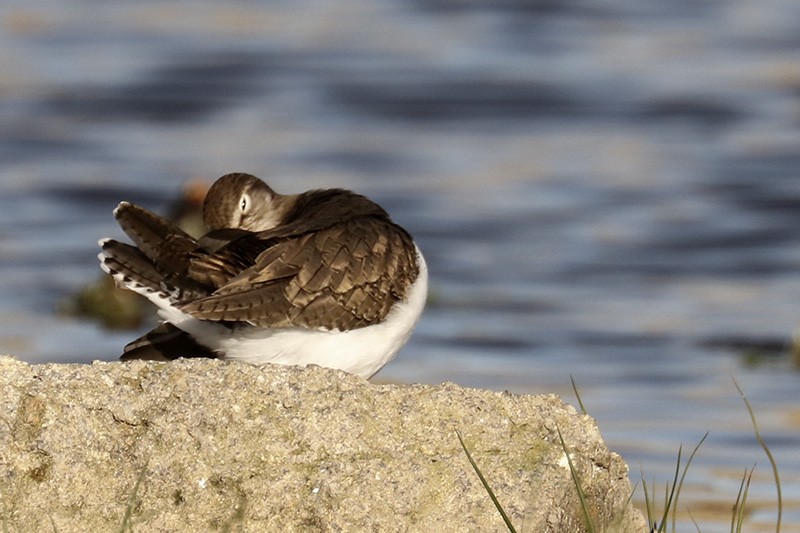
x=608, y=190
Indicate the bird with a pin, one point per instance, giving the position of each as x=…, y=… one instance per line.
x=322, y=277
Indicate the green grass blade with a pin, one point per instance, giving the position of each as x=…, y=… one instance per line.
x=633, y=491
x=486, y=486
x=648, y=504
x=696, y=526
x=766, y=451
x=737, y=502
x=577, y=482
x=669, y=495
x=744, y=500
x=683, y=476
x=737, y=518
x=578, y=395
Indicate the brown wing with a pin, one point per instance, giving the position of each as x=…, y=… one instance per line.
x=342, y=277
x=159, y=239
x=222, y=255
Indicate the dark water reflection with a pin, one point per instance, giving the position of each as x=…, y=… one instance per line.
x=604, y=191
x=188, y=90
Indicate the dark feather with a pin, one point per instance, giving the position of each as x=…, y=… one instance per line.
x=165, y=343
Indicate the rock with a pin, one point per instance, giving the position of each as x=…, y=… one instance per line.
x=208, y=445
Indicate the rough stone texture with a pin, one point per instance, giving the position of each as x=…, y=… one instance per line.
x=204, y=445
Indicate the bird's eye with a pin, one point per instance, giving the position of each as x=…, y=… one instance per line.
x=244, y=203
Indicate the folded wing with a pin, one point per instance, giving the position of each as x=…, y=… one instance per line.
x=345, y=276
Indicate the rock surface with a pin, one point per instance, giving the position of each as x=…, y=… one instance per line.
x=205, y=445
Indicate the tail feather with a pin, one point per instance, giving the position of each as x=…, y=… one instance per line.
x=131, y=268
x=156, y=267
x=159, y=239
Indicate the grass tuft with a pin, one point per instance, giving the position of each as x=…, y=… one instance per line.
x=671, y=493
x=672, y=490
x=683, y=476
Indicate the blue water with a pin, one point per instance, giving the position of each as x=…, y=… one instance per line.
x=604, y=190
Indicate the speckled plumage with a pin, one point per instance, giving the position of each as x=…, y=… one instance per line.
x=324, y=263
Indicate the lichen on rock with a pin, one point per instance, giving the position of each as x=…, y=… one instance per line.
x=204, y=445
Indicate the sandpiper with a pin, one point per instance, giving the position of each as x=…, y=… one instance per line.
x=322, y=277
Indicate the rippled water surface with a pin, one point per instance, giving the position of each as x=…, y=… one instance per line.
x=604, y=190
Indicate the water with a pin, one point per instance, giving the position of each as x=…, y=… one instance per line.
x=603, y=190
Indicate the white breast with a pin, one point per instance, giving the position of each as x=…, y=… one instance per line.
x=361, y=351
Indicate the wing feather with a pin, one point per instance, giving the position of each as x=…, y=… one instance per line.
x=340, y=277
